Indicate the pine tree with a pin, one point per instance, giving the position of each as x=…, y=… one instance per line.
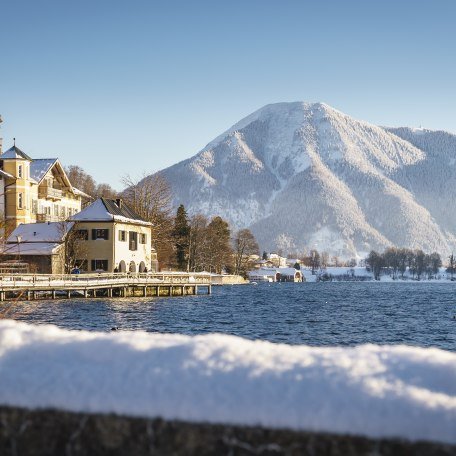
x=181, y=235
x=219, y=255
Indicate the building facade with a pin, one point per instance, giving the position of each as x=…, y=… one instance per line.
x=35, y=190
x=114, y=237
x=106, y=236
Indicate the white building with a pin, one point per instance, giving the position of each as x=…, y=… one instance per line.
x=116, y=238
x=276, y=275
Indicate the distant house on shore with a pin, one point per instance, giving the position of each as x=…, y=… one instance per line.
x=273, y=260
x=276, y=275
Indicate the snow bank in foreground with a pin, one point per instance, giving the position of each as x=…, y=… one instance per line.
x=369, y=390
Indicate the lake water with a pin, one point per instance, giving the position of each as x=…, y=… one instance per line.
x=309, y=313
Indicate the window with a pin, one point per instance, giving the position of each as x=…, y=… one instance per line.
x=82, y=234
x=34, y=207
x=20, y=201
x=100, y=234
x=99, y=265
x=122, y=236
x=81, y=265
x=48, y=210
x=19, y=171
x=56, y=210
x=63, y=212
x=133, y=240
x=143, y=238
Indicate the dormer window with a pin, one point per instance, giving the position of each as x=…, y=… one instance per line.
x=19, y=171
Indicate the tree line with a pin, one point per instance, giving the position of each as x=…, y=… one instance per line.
x=202, y=244
x=395, y=262
x=194, y=243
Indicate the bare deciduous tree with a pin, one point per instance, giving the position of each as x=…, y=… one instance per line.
x=150, y=197
x=73, y=250
x=245, y=246
x=86, y=183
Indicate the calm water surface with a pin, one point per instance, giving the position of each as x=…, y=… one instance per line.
x=310, y=313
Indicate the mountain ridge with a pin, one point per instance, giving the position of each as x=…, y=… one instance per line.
x=322, y=179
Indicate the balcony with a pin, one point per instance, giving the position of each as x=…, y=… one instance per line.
x=41, y=218
x=50, y=193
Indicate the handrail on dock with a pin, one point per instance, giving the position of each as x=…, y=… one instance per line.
x=10, y=281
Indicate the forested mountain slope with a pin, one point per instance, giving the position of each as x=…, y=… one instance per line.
x=311, y=175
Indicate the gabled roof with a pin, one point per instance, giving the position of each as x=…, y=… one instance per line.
x=78, y=192
x=14, y=153
x=107, y=210
x=40, y=167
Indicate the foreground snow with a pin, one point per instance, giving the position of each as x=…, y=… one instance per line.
x=378, y=391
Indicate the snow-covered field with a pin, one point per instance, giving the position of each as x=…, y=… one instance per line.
x=361, y=273
x=377, y=391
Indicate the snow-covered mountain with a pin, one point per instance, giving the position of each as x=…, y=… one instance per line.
x=309, y=176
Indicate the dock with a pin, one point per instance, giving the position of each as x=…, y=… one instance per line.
x=116, y=285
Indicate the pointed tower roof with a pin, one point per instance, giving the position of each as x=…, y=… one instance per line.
x=15, y=153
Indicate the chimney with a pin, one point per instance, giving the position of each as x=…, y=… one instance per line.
x=119, y=203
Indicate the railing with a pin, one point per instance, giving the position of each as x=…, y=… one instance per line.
x=50, y=193
x=43, y=218
x=8, y=281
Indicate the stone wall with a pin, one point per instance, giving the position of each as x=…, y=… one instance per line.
x=49, y=432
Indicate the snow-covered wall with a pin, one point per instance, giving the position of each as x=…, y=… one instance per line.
x=377, y=391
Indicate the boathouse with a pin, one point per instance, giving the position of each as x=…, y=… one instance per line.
x=37, y=247
x=276, y=275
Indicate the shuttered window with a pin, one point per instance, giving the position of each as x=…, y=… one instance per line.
x=100, y=234
x=133, y=240
x=99, y=265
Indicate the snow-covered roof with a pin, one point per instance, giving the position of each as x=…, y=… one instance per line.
x=273, y=271
x=14, y=153
x=31, y=248
x=371, y=390
x=40, y=167
x=5, y=174
x=40, y=232
x=107, y=210
x=78, y=192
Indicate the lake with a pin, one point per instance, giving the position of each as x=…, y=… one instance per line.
x=332, y=313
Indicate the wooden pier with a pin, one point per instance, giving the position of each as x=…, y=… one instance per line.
x=117, y=285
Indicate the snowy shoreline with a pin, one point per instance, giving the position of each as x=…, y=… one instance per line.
x=375, y=391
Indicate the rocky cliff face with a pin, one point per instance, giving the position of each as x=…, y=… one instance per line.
x=308, y=176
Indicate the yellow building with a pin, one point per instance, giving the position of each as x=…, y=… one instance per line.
x=106, y=236
x=35, y=190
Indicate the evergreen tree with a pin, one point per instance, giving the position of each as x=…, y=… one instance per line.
x=452, y=265
x=219, y=254
x=181, y=235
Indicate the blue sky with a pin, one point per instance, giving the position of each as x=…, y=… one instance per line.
x=129, y=87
